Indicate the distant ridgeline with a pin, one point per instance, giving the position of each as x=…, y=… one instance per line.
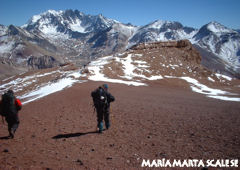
x=56, y=37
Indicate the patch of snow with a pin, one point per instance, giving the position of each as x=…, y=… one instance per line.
x=155, y=77
x=25, y=25
x=200, y=88
x=54, y=12
x=210, y=79
x=223, y=76
x=217, y=28
x=35, y=18
x=8, y=78
x=95, y=70
x=158, y=24
x=139, y=55
x=100, y=77
x=3, y=30
x=19, y=83
x=4, y=38
x=193, y=40
x=6, y=47
x=76, y=75
x=139, y=62
x=235, y=99
x=211, y=44
x=173, y=65
x=128, y=66
x=48, y=29
x=76, y=26
x=20, y=60
x=210, y=92
x=228, y=52
x=48, y=89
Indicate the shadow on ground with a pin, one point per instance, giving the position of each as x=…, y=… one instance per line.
x=71, y=135
x=4, y=138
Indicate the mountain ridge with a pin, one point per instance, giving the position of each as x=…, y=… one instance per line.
x=72, y=36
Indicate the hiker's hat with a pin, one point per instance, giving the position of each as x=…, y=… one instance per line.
x=105, y=86
x=10, y=91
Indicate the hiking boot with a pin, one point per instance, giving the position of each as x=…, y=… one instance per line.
x=107, y=125
x=11, y=135
x=98, y=130
x=12, y=132
x=100, y=127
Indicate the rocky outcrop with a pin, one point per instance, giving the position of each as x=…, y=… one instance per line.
x=189, y=53
x=42, y=62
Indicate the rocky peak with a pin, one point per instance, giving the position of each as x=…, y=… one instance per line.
x=69, y=22
x=162, y=31
x=216, y=27
x=12, y=30
x=212, y=28
x=163, y=25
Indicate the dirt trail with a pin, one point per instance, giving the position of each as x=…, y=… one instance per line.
x=153, y=122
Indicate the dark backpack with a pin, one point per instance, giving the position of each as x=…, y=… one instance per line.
x=99, y=98
x=8, y=104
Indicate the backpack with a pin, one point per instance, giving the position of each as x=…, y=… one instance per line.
x=8, y=104
x=99, y=97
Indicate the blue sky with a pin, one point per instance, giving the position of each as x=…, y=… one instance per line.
x=193, y=13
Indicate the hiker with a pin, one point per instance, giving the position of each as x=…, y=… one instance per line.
x=101, y=100
x=9, y=107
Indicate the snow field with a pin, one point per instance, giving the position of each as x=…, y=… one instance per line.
x=129, y=68
x=130, y=77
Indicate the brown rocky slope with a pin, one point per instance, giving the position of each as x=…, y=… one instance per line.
x=150, y=122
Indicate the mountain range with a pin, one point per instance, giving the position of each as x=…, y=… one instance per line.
x=57, y=37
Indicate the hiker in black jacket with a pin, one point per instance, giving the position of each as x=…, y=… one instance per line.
x=9, y=107
x=102, y=99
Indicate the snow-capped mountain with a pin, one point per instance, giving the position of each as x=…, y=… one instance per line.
x=21, y=50
x=80, y=35
x=72, y=36
x=16, y=44
x=162, y=31
x=220, y=41
x=68, y=22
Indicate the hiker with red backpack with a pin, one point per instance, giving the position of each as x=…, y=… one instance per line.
x=101, y=100
x=9, y=107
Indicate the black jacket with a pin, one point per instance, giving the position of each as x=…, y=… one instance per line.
x=102, y=98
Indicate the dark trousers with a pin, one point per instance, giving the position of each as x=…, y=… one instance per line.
x=12, y=127
x=103, y=114
x=13, y=123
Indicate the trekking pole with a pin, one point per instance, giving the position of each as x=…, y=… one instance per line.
x=2, y=120
x=94, y=109
x=111, y=114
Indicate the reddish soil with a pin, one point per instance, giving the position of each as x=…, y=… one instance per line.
x=153, y=122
